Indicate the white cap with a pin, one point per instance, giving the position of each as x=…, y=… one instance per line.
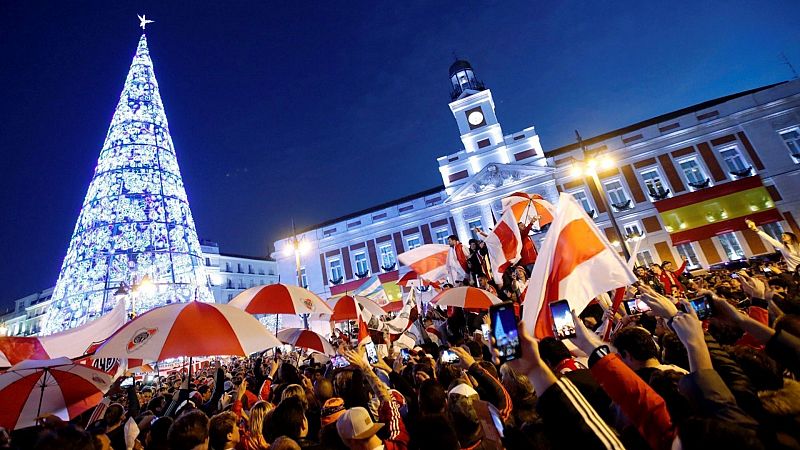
x=356, y=423
x=463, y=389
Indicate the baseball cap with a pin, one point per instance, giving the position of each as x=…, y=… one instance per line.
x=463, y=389
x=356, y=423
x=331, y=410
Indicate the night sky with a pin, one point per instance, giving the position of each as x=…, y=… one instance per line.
x=315, y=111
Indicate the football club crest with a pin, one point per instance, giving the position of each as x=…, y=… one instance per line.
x=140, y=337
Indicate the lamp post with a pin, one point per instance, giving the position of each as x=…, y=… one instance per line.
x=145, y=286
x=298, y=247
x=589, y=167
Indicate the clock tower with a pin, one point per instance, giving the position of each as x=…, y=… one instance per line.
x=473, y=107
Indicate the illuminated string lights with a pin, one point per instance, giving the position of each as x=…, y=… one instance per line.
x=135, y=221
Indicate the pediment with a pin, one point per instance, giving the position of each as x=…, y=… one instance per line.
x=498, y=176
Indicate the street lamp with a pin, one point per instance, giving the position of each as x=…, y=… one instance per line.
x=298, y=247
x=145, y=286
x=589, y=168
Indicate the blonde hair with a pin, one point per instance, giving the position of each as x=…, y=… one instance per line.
x=295, y=390
x=255, y=424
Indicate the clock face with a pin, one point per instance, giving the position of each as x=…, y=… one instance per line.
x=475, y=118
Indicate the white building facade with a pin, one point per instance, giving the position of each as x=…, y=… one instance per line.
x=228, y=275
x=696, y=155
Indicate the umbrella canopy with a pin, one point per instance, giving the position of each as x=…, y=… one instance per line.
x=188, y=329
x=410, y=275
x=60, y=387
x=393, y=306
x=344, y=308
x=466, y=297
x=279, y=299
x=306, y=339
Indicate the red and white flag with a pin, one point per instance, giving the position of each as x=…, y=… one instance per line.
x=71, y=343
x=429, y=261
x=576, y=262
x=504, y=245
x=527, y=206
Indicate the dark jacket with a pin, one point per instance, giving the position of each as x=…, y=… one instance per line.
x=570, y=422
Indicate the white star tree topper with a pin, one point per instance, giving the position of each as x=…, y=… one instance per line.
x=143, y=20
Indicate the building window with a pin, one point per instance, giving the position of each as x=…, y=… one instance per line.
x=792, y=140
x=387, y=255
x=250, y=269
x=687, y=251
x=441, y=235
x=227, y=267
x=472, y=224
x=208, y=261
x=336, y=269
x=654, y=184
x=617, y=195
x=632, y=230
x=413, y=242
x=644, y=258
x=230, y=297
x=583, y=199
x=694, y=174
x=361, y=262
x=239, y=268
x=731, y=246
x=303, y=278
x=773, y=229
x=733, y=160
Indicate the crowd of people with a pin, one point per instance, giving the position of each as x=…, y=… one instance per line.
x=665, y=379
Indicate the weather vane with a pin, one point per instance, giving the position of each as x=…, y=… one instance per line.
x=143, y=20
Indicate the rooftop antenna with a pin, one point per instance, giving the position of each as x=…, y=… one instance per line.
x=786, y=61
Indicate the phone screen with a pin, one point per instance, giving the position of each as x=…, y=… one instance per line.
x=339, y=361
x=450, y=357
x=504, y=331
x=405, y=355
x=486, y=330
x=636, y=306
x=563, y=325
x=702, y=306
x=372, y=353
x=127, y=382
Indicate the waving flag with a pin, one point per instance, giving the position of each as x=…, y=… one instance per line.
x=527, y=206
x=429, y=261
x=71, y=343
x=373, y=290
x=504, y=245
x=576, y=262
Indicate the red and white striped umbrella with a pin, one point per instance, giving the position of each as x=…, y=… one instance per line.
x=306, y=339
x=466, y=297
x=33, y=388
x=280, y=299
x=344, y=308
x=188, y=329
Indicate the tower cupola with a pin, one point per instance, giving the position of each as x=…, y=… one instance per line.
x=463, y=81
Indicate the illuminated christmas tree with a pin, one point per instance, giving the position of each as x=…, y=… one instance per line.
x=135, y=223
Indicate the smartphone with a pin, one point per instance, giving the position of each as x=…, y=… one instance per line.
x=635, y=306
x=563, y=325
x=702, y=306
x=450, y=357
x=766, y=270
x=504, y=331
x=372, y=353
x=734, y=275
x=339, y=361
x=128, y=382
x=486, y=330
x=405, y=355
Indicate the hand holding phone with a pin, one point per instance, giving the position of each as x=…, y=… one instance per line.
x=703, y=306
x=372, y=353
x=450, y=357
x=563, y=324
x=503, y=331
x=405, y=355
